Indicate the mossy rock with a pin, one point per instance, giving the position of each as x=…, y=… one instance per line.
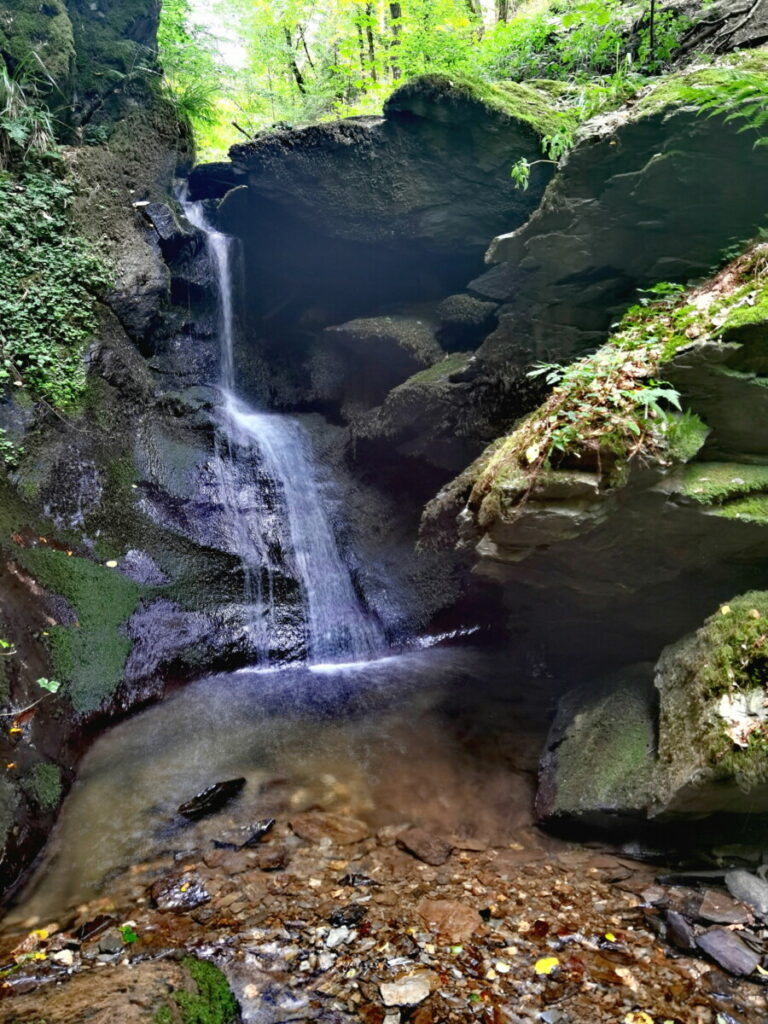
x=599, y=756
x=713, y=738
x=30, y=30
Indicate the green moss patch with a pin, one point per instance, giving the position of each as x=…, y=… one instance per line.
x=43, y=783
x=211, y=1003
x=514, y=101
x=715, y=483
x=89, y=656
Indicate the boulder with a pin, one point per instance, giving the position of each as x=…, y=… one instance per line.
x=464, y=321
x=686, y=739
x=598, y=759
x=435, y=167
x=355, y=364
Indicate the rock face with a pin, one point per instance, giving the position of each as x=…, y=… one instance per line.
x=367, y=215
x=649, y=193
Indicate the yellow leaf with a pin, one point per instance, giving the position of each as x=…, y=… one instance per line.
x=638, y=1017
x=112, y=564
x=610, y=936
x=725, y=609
x=546, y=965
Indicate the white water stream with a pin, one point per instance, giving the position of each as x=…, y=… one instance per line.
x=337, y=626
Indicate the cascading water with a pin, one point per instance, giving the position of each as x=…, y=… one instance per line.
x=337, y=627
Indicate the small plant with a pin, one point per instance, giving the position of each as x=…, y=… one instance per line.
x=51, y=686
x=26, y=126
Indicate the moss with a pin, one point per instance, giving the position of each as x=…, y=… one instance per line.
x=42, y=29
x=743, y=320
x=43, y=783
x=712, y=483
x=89, y=656
x=513, y=100
x=440, y=371
x=212, y=1003
x=9, y=801
x=606, y=758
x=686, y=435
x=699, y=85
x=754, y=509
x=731, y=645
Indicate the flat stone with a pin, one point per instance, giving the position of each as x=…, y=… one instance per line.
x=407, y=991
x=316, y=825
x=431, y=849
x=719, y=908
x=455, y=920
x=728, y=950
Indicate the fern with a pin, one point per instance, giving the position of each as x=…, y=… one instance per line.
x=742, y=96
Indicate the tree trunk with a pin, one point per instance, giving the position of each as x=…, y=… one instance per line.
x=295, y=69
x=395, y=13
x=502, y=10
x=371, y=43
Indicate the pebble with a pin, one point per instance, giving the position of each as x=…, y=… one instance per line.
x=337, y=936
x=407, y=991
x=315, y=826
x=455, y=920
x=421, y=844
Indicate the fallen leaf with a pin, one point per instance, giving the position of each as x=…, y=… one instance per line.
x=546, y=965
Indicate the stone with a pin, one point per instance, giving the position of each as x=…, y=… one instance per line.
x=454, y=920
x=464, y=321
x=749, y=889
x=315, y=826
x=680, y=932
x=212, y=799
x=719, y=908
x=598, y=759
x=371, y=356
x=408, y=991
x=728, y=950
x=431, y=849
x=179, y=893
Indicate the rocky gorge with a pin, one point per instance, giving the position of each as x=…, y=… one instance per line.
x=387, y=292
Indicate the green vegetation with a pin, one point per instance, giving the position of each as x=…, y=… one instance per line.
x=51, y=281
x=43, y=783
x=212, y=1003
x=89, y=656
x=295, y=62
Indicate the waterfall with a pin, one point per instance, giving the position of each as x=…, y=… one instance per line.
x=337, y=627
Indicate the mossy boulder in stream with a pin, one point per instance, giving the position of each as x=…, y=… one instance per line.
x=688, y=738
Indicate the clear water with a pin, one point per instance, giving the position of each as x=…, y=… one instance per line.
x=338, y=628
x=443, y=738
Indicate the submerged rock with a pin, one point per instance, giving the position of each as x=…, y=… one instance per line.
x=212, y=799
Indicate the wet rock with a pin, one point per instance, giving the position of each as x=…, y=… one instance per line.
x=315, y=826
x=749, y=889
x=431, y=849
x=680, y=931
x=179, y=894
x=728, y=950
x=271, y=858
x=211, y=799
x=351, y=915
x=408, y=991
x=142, y=568
x=450, y=918
x=260, y=829
x=719, y=908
